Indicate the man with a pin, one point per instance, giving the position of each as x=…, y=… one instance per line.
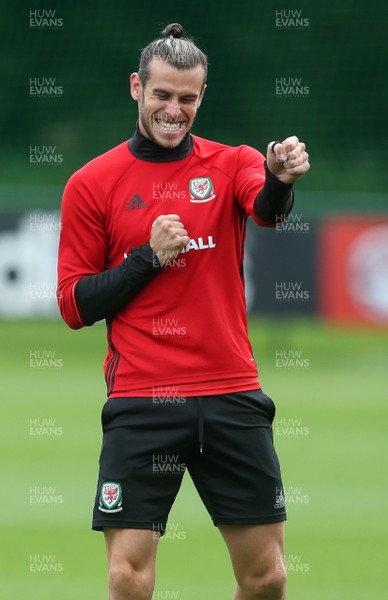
x=152, y=241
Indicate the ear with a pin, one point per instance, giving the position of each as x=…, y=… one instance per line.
x=135, y=86
x=201, y=96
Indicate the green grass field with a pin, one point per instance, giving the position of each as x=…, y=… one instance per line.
x=331, y=437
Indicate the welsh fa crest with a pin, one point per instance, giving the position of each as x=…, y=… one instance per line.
x=201, y=189
x=111, y=497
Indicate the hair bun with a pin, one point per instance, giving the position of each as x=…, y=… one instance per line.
x=173, y=29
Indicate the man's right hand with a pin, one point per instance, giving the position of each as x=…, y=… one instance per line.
x=168, y=237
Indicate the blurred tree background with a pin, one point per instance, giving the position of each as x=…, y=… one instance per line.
x=339, y=55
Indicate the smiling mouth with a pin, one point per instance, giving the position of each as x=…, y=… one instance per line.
x=166, y=126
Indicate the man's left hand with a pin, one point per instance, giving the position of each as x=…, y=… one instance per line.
x=288, y=160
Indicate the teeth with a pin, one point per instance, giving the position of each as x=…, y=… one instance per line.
x=166, y=126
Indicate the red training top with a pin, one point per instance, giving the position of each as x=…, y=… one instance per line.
x=185, y=333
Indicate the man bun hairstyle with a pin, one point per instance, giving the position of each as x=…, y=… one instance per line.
x=174, y=48
x=174, y=29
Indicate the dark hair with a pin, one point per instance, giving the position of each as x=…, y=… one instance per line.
x=173, y=48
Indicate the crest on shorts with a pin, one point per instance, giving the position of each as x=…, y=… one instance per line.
x=201, y=189
x=111, y=497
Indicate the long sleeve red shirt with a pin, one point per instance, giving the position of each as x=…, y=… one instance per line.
x=186, y=331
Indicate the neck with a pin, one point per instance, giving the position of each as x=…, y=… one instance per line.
x=148, y=150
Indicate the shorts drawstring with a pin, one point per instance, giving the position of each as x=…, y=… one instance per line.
x=201, y=428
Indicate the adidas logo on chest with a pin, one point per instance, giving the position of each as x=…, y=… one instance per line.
x=135, y=203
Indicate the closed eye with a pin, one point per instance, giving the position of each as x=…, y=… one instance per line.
x=164, y=95
x=188, y=99
x=161, y=95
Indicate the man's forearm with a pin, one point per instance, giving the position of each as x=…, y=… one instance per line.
x=275, y=200
x=102, y=295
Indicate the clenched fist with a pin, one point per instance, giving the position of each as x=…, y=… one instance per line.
x=288, y=160
x=168, y=237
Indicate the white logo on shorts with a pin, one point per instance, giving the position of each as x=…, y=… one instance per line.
x=280, y=501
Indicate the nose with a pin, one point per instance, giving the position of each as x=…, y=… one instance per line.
x=173, y=109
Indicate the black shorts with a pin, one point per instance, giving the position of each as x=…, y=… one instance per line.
x=225, y=442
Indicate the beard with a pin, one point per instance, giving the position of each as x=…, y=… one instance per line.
x=148, y=129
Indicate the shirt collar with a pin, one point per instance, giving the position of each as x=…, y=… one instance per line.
x=146, y=149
